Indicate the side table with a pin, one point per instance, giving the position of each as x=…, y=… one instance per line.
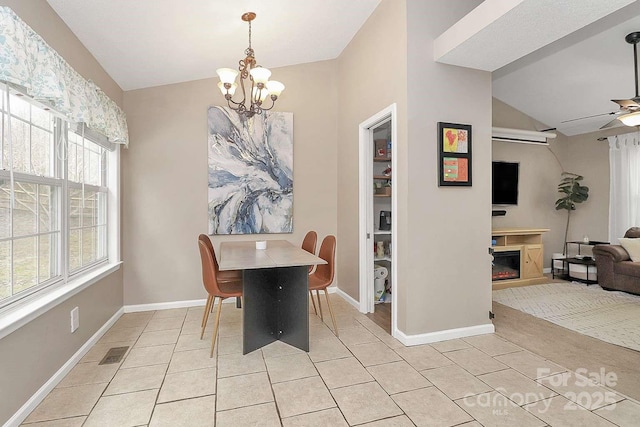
x=587, y=261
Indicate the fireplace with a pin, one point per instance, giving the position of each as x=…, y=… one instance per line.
x=506, y=265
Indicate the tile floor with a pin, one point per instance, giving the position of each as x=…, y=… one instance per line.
x=364, y=378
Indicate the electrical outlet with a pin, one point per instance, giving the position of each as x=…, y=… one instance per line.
x=75, y=319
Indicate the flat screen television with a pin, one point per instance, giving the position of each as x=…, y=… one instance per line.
x=505, y=183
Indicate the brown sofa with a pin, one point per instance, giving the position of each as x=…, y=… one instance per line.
x=616, y=271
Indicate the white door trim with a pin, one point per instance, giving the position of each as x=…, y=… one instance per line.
x=366, y=295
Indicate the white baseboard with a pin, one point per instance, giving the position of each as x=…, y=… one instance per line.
x=348, y=298
x=448, y=334
x=190, y=303
x=169, y=305
x=39, y=395
x=546, y=270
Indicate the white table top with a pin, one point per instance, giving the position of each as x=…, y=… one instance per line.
x=279, y=253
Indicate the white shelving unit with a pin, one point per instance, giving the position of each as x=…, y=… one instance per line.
x=382, y=202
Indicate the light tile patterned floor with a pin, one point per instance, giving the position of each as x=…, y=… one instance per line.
x=364, y=378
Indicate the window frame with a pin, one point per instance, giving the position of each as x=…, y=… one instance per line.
x=38, y=297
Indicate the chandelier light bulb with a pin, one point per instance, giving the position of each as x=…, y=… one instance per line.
x=224, y=90
x=259, y=94
x=227, y=75
x=260, y=75
x=275, y=88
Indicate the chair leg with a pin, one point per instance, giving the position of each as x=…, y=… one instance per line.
x=313, y=302
x=319, y=304
x=333, y=318
x=210, y=301
x=215, y=326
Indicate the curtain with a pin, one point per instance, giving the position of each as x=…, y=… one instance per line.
x=30, y=65
x=624, y=194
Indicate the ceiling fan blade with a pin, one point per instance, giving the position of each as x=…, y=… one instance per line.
x=613, y=123
x=613, y=113
x=627, y=103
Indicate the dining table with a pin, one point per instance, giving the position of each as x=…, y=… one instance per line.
x=275, y=291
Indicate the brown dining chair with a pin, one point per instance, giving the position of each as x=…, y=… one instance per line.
x=218, y=284
x=223, y=276
x=322, y=277
x=309, y=244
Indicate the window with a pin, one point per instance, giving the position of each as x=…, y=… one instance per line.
x=86, y=201
x=53, y=220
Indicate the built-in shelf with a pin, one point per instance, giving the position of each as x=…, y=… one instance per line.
x=381, y=174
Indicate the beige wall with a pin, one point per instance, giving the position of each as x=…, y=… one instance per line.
x=164, y=177
x=446, y=266
x=31, y=355
x=372, y=76
x=539, y=175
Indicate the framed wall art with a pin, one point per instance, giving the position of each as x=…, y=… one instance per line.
x=454, y=155
x=250, y=166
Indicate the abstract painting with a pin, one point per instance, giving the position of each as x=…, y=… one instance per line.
x=250, y=172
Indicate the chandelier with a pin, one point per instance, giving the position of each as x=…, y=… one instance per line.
x=255, y=76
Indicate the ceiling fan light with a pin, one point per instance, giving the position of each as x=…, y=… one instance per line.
x=631, y=119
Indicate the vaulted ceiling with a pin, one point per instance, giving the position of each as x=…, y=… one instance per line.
x=146, y=43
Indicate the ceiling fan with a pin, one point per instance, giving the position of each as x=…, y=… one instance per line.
x=629, y=112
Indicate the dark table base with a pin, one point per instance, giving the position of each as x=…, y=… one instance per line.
x=275, y=307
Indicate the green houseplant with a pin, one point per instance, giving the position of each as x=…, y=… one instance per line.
x=572, y=193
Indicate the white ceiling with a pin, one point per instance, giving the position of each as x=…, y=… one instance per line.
x=144, y=43
x=576, y=76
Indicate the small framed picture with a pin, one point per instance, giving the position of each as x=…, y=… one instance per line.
x=454, y=155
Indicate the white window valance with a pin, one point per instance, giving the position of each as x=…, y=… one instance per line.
x=28, y=62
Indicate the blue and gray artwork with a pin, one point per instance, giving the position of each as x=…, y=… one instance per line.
x=250, y=172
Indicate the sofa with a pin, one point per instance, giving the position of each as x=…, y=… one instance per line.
x=616, y=271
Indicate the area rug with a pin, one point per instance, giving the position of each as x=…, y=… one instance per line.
x=613, y=317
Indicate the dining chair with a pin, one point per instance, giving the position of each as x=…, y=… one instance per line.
x=323, y=275
x=218, y=284
x=223, y=276
x=309, y=244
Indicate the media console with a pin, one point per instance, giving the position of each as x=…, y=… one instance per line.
x=518, y=257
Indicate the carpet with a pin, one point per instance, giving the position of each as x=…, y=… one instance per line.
x=613, y=317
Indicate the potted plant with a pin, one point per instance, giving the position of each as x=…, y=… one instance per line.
x=572, y=193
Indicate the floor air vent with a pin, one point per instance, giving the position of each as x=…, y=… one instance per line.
x=114, y=355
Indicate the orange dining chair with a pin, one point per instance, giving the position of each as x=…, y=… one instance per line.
x=309, y=244
x=322, y=277
x=218, y=284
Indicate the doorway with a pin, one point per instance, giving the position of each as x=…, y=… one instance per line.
x=378, y=208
